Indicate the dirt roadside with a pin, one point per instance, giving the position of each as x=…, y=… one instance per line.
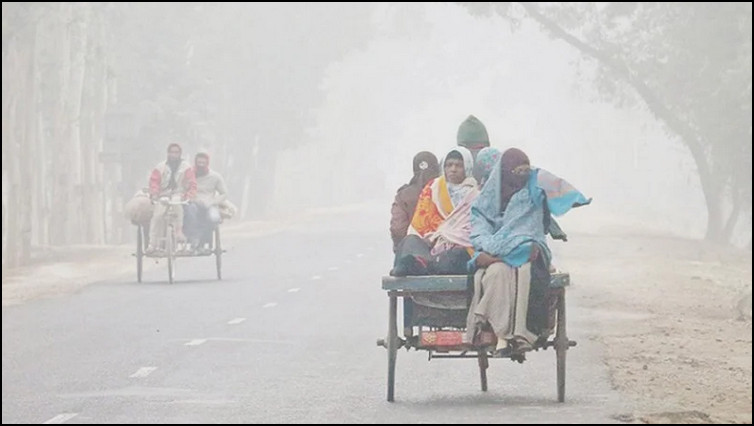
x=675, y=318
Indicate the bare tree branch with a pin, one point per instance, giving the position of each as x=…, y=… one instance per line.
x=709, y=186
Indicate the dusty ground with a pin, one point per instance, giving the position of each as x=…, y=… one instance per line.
x=675, y=317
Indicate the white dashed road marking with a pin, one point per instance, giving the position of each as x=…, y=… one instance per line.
x=333, y=268
x=236, y=340
x=236, y=321
x=270, y=305
x=316, y=277
x=293, y=290
x=61, y=418
x=143, y=372
x=195, y=342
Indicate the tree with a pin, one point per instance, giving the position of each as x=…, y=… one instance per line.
x=19, y=126
x=53, y=102
x=689, y=63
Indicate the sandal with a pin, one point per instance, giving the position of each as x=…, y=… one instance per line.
x=520, y=346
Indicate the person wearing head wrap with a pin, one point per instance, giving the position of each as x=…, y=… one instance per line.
x=438, y=240
x=485, y=161
x=173, y=179
x=203, y=213
x=509, y=220
x=425, y=169
x=473, y=136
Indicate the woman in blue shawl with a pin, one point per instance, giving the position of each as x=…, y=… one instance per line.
x=509, y=221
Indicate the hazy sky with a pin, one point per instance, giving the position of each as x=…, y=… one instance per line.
x=360, y=88
x=412, y=85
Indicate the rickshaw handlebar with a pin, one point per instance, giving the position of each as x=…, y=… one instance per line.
x=166, y=201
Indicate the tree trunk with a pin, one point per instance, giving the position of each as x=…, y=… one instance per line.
x=60, y=141
x=43, y=179
x=20, y=111
x=7, y=148
x=13, y=243
x=714, y=223
x=95, y=108
x=732, y=221
x=4, y=234
x=76, y=206
x=88, y=144
x=27, y=145
x=12, y=71
x=40, y=202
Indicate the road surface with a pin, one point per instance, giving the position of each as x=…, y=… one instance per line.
x=287, y=336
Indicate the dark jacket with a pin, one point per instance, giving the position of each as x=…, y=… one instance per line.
x=403, y=211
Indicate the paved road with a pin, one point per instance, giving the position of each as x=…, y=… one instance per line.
x=288, y=336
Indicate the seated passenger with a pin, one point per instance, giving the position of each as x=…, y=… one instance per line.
x=509, y=220
x=486, y=160
x=173, y=179
x=426, y=168
x=473, y=136
x=438, y=240
x=203, y=214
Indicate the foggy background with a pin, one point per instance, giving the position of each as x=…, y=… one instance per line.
x=644, y=107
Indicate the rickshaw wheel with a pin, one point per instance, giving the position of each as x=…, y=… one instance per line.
x=561, y=346
x=170, y=248
x=139, y=251
x=483, y=364
x=218, y=254
x=392, y=347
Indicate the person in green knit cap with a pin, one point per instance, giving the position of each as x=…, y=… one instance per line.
x=473, y=135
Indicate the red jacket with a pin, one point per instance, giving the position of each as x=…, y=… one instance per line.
x=159, y=181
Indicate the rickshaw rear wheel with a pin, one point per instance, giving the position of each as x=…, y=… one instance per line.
x=392, y=347
x=139, y=252
x=561, y=346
